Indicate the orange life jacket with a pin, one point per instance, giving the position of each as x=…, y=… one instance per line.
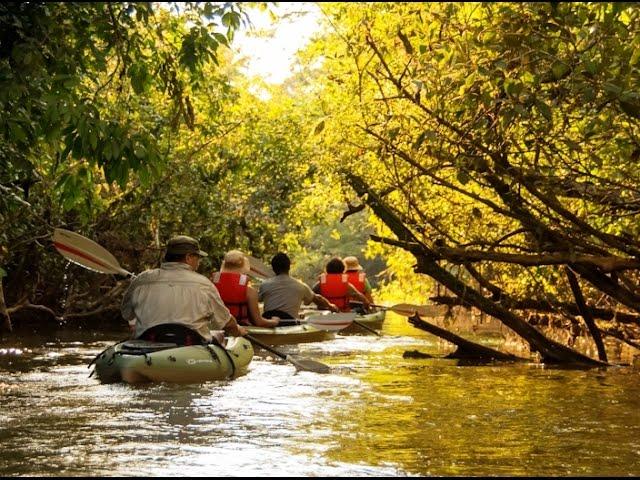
x=233, y=291
x=357, y=279
x=335, y=288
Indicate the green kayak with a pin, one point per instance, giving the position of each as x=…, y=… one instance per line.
x=291, y=334
x=138, y=361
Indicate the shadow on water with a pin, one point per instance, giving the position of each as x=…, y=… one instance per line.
x=378, y=413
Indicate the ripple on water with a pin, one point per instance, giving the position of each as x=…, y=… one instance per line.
x=375, y=414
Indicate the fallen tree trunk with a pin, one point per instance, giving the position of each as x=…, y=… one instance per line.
x=547, y=307
x=605, y=264
x=550, y=351
x=466, y=349
x=586, y=315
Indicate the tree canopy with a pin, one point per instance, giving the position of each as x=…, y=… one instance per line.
x=489, y=147
x=499, y=137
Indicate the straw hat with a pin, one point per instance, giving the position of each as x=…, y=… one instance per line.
x=351, y=263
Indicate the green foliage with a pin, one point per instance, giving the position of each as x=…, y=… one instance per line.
x=489, y=125
x=69, y=74
x=95, y=92
x=326, y=237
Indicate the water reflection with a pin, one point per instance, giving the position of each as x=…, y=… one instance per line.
x=379, y=414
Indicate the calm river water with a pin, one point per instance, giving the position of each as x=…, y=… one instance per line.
x=377, y=414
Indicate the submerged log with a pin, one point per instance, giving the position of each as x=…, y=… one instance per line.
x=416, y=354
x=466, y=349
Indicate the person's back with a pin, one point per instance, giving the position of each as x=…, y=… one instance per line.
x=334, y=285
x=232, y=288
x=239, y=297
x=357, y=277
x=335, y=288
x=175, y=294
x=283, y=295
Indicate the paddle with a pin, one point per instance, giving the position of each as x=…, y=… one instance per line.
x=87, y=253
x=409, y=310
x=362, y=325
x=331, y=321
x=300, y=363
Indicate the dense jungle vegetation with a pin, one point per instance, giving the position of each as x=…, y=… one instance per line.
x=489, y=147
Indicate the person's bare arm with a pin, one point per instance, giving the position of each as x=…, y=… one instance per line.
x=254, y=311
x=367, y=291
x=353, y=292
x=128, y=313
x=322, y=302
x=233, y=329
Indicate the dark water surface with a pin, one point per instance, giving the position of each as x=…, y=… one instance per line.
x=378, y=414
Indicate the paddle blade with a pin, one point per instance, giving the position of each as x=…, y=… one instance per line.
x=309, y=365
x=300, y=363
x=259, y=269
x=331, y=321
x=408, y=310
x=86, y=253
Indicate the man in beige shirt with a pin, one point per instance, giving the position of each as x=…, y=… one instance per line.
x=175, y=294
x=283, y=295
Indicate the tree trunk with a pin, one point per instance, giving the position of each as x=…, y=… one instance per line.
x=586, y=315
x=466, y=349
x=6, y=319
x=551, y=352
x=548, y=307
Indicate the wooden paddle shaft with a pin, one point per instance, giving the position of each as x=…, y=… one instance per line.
x=266, y=347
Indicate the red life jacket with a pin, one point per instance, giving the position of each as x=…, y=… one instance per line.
x=357, y=278
x=233, y=291
x=335, y=288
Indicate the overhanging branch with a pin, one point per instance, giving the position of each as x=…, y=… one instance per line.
x=606, y=264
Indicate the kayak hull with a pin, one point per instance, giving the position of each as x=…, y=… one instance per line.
x=372, y=320
x=290, y=335
x=139, y=361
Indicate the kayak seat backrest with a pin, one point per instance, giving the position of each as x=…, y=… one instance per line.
x=357, y=307
x=141, y=347
x=172, y=333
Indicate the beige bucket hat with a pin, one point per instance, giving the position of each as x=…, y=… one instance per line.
x=351, y=263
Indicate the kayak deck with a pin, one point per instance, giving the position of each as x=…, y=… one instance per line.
x=372, y=320
x=290, y=334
